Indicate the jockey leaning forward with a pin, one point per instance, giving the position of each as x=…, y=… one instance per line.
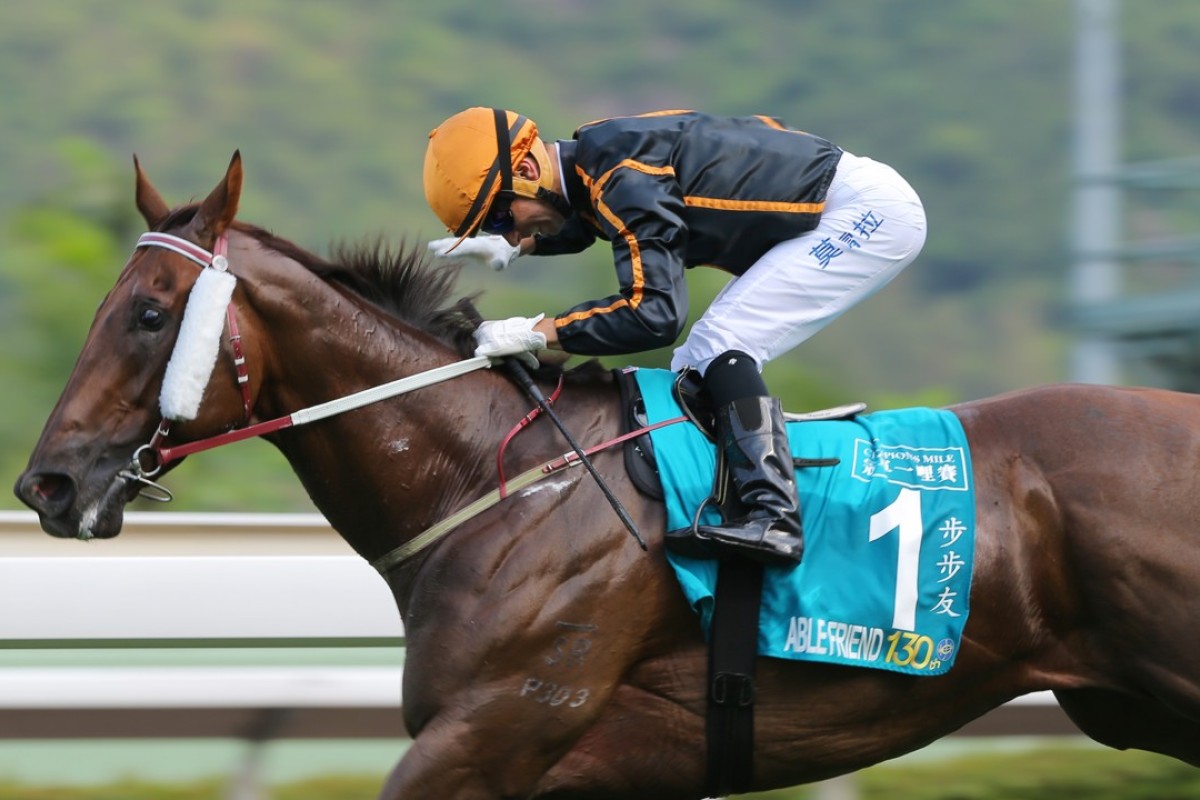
x=806, y=229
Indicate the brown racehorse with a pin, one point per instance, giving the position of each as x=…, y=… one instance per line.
x=549, y=656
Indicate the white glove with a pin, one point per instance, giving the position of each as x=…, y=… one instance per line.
x=484, y=249
x=514, y=336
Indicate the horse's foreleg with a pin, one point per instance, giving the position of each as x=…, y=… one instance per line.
x=493, y=741
x=455, y=761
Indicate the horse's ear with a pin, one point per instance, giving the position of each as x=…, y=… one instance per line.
x=154, y=209
x=220, y=207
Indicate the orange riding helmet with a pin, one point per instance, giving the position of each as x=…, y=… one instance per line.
x=464, y=172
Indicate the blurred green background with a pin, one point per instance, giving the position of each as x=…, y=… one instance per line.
x=330, y=105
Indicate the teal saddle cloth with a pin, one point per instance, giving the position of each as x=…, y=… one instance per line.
x=889, y=535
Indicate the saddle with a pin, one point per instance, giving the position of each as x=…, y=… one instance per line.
x=640, y=460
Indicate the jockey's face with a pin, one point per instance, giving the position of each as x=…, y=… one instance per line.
x=533, y=216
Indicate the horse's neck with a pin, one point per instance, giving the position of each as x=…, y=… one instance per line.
x=381, y=473
x=384, y=473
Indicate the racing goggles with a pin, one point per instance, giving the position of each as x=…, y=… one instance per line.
x=499, y=219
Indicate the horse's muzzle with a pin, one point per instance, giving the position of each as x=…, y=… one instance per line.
x=50, y=494
x=56, y=499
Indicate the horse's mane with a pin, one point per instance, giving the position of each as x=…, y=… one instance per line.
x=402, y=281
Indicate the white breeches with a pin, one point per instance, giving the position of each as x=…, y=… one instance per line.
x=873, y=226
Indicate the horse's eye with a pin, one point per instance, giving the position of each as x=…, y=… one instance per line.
x=150, y=318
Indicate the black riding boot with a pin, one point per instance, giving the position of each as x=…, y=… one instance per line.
x=754, y=444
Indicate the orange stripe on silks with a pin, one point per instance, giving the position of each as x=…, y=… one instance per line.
x=772, y=123
x=754, y=205
x=596, y=185
x=666, y=113
x=583, y=176
x=635, y=250
x=640, y=167
x=595, y=188
x=591, y=312
x=635, y=261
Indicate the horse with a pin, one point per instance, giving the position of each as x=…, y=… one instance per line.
x=548, y=656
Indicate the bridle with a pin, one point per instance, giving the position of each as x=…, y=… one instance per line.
x=216, y=260
x=219, y=261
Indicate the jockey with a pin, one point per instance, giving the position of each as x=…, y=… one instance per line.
x=806, y=229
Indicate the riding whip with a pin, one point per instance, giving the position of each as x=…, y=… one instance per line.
x=526, y=382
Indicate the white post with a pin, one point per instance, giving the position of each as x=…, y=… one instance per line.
x=247, y=782
x=1096, y=217
x=844, y=787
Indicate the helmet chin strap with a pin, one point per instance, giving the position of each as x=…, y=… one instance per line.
x=557, y=200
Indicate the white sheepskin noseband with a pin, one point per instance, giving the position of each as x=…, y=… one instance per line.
x=199, y=342
x=196, y=349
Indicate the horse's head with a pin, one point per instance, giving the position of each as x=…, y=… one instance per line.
x=79, y=478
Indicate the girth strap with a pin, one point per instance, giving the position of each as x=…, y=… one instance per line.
x=731, y=687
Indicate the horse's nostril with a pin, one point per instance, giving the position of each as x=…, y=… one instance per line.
x=46, y=492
